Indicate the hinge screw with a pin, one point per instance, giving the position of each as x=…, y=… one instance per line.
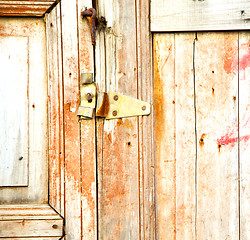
x=89, y=97
x=114, y=113
x=143, y=108
x=115, y=97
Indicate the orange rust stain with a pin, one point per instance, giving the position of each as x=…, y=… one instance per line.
x=201, y=142
x=158, y=96
x=126, y=123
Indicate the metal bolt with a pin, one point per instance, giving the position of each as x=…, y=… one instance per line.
x=21, y=158
x=114, y=113
x=55, y=226
x=115, y=97
x=143, y=108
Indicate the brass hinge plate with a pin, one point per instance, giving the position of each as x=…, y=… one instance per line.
x=108, y=105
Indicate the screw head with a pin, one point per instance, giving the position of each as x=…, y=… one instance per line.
x=115, y=97
x=143, y=108
x=114, y=113
x=89, y=97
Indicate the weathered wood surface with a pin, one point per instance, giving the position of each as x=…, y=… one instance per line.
x=71, y=124
x=29, y=221
x=244, y=133
x=88, y=135
x=19, y=8
x=80, y=161
x=34, y=30
x=186, y=15
x=202, y=168
x=55, y=110
x=14, y=144
x=174, y=130
x=217, y=113
x=125, y=166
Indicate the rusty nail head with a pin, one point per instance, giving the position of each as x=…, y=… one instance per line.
x=115, y=97
x=55, y=226
x=114, y=113
x=89, y=97
x=143, y=108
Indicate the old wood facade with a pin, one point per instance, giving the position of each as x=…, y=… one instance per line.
x=182, y=172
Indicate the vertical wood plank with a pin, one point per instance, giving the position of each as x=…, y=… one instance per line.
x=118, y=166
x=145, y=92
x=71, y=125
x=216, y=81
x=88, y=136
x=164, y=133
x=55, y=106
x=185, y=137
x=244, y=133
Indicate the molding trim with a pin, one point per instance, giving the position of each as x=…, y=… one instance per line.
x=30, y=221
x=22, y=8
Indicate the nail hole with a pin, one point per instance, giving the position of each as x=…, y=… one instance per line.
x=70, y=74
x=51, y=24
x=21, y=158
x=212, y=71
x=129, y=144
x=213, y=90
x=33, y=105
x=219, y=147
x=173, y=102
x=234, y=98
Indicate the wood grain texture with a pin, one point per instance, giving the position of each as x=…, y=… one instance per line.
x=71, y=124
x=88, y=135
x=34, y=30
x=25, y=8
x=118, y=155
x=55, y=110
x=14, y=141
x=29, y=221
x=244, y=133
x=174, y=136
x=145, y=92
x=164, y=134
x=185, y=15
x=185, y=137
x=217, y=114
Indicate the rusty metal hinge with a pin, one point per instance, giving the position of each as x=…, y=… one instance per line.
x=108, y=105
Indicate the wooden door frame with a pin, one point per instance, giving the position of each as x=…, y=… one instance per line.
x=31, y=220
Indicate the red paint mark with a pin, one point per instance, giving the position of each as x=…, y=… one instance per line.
x=169, y=48
x=231, y=136
x=231, y=59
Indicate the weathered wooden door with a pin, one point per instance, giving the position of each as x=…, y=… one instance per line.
x=202, y=119
x=24, y=210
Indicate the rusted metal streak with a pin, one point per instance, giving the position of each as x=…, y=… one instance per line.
x=90, y=14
